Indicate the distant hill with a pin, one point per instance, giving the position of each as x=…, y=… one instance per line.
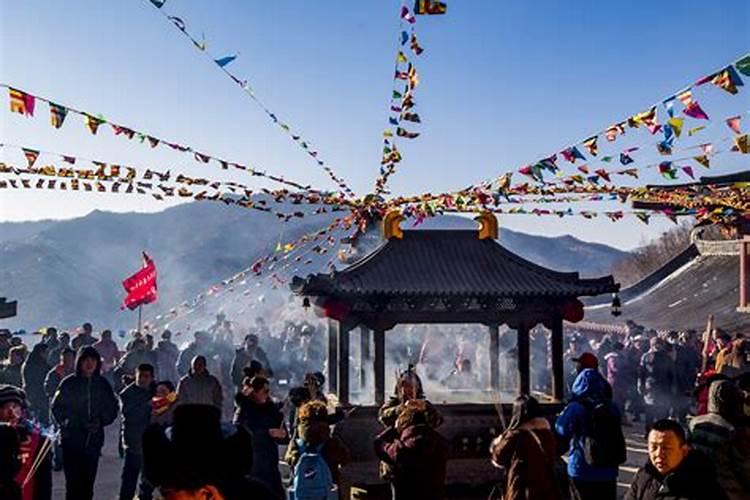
x=65, y=272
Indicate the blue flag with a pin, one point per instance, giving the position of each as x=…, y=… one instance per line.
x=223, y=61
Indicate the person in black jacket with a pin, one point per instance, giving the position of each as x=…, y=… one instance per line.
x=135, y=403
x=33, y=373
x=673, y=470
x=82, y=406
x=656, y=382
x=260, y=415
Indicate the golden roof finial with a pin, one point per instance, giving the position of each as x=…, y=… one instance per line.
x=488, y=228
x=391, y=225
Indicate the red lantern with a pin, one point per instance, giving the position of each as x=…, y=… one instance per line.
x=336, y=309
x=572, y=311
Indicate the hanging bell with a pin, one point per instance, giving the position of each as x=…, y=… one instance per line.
x=616, y=306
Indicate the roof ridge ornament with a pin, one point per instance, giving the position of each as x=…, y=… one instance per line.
x=392, y=225
x=488, y=227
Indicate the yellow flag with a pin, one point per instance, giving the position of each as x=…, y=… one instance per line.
x=676, y=124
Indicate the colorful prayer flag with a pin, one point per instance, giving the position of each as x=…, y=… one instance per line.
x=727, y=80
x=572, y=154
x=411, y=117
x=626, y=159
x=591, y=145
x=741, y=144
x=92, y=122
x=405, y=133
x=734, y=124
x=703, y=160
x=694, y=110
x=404, y=37
x=415, y=47
x=158, y=3
x=666, y=170
x=57, y=114
x=676, y=124
x=689, y=171
x=223, y=61
x=407, y=16
x=429, y=7
x=21, y=102
x=743, y=65
x=695, y=130
x=401, y=57
x=31, y=156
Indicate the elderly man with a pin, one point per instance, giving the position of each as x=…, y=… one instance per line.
x=674, y=471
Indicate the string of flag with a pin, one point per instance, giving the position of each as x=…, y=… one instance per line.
x=24, y=103
x=727, y=79
x=222, y=62
x=401, y=113
x=107, y=171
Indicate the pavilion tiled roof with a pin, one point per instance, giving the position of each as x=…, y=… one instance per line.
x=449, y=263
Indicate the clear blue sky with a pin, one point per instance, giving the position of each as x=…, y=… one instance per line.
x=502, y=84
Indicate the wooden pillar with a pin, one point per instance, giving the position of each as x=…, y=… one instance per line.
x=556, y=342
x=343, y=370
x=333, y=358
x=379, y=366
x=364, y=355
x=523, y=360
x=495, y=357
x=745, y=272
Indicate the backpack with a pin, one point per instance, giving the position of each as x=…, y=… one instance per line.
x=312, y=479
x=604, y=443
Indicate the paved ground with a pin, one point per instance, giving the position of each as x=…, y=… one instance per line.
x=108, y=479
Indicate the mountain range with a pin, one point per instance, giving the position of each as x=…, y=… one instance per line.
x=70, y=271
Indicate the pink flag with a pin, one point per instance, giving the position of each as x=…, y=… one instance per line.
x=734, y=124
x=694, y=110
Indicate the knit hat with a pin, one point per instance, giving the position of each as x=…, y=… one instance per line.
x=11, y=393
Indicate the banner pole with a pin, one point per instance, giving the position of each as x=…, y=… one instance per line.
x=140, y=317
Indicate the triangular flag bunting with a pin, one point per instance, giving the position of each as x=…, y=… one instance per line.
x=31, y=156
x=734, y=124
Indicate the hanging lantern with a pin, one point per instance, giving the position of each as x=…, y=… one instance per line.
x=616, y=306
x=572, y=311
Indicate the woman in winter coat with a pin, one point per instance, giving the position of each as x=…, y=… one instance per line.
x=416, y=453
x=527, y=451
x=258, y=414
x=33, y=372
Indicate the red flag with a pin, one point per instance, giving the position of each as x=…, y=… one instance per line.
x=141, y=286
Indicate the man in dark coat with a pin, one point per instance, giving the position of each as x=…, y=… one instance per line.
x=656, y=382
x=250, y=351
x=135, y=403
x=417, y=454
x=674, y=471
x=200, y=346
x=83, y=405
x=258, y=414
x=84, y=338
x=687, y=366
x=33, y=372
x=63, y=342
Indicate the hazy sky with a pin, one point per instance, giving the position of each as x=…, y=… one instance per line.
x=502, y=84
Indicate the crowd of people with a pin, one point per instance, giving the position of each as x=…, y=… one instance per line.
x=213, y=400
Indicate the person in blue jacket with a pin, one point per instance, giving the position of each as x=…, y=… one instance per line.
x=574, y=423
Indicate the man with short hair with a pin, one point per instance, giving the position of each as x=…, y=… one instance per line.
x=63, y=342
x=84, y=338
x=83, y=405
x=135, y=404
x=166, y=356
x=673, y=470
x=199, y=386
